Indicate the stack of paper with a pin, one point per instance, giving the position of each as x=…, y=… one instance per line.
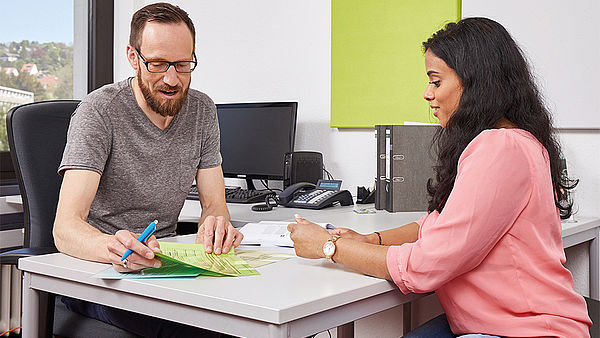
x=270, y=233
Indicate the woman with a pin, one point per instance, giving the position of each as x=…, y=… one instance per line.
x=490, y=245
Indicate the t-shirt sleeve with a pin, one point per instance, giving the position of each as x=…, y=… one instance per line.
x=211, y=146
x=88, y=141
x=492, y=187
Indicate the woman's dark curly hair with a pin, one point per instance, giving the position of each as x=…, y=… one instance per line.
x=496, y=83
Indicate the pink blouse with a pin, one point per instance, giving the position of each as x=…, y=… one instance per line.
x=494, y=255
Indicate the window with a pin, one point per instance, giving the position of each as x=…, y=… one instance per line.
x=36, y=54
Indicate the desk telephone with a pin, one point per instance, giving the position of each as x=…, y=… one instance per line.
x=310, y=196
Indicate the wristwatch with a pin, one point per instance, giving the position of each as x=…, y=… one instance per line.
x=329, y=248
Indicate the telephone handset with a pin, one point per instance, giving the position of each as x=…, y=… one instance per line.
x=307, y=195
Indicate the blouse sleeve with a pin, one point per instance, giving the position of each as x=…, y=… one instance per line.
x=492, y=187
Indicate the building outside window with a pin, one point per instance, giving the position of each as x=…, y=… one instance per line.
x=36, y=54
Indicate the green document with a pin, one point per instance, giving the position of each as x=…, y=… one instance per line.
x=193, y=256
x=188, y=260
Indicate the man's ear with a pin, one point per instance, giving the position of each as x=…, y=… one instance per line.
x=132, y=57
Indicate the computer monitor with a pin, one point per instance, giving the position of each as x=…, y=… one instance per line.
x=8, y=174
x=255, y=138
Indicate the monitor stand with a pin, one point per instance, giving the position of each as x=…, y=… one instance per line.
x=250, y=184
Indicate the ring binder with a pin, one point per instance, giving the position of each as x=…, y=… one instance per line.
x=380, y=180
x=404, y=164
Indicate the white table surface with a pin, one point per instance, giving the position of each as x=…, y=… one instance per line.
x=292, y=298
x=577, y=231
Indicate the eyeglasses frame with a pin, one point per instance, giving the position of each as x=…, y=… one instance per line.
x=194, y=62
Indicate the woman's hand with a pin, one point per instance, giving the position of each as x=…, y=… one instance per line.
x=308, y=238
x=353, y=235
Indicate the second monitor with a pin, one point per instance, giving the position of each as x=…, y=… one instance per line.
x=255, y=138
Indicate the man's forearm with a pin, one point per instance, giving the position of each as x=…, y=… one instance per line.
x=72, y=234
x=79, y=239
x=219, y=209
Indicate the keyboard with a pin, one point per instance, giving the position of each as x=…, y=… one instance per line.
x=235, y=195
x=239, y=195
x=193, y=193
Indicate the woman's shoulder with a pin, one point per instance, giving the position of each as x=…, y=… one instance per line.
x=505, y=139
x=506, y=145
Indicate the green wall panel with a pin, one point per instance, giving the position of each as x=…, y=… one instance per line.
x=377, y=67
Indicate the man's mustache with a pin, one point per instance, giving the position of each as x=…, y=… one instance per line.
x=168, y=88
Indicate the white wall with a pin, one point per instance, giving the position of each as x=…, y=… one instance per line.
x=272, y=50
x=561, y=42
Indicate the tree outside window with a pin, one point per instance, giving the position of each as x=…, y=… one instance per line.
x=36, y=55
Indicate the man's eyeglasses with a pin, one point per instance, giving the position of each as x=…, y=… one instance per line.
x=163, y=66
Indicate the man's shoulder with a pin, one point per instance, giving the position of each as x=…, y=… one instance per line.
x=198, y=96
x=106, y=94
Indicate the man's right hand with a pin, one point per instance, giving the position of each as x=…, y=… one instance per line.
x=142, y=256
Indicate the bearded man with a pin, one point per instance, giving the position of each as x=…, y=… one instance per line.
x=133, y=151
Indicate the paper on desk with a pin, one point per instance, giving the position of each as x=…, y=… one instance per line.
x=270, y=233
x=194, y=254
x=184, y=260
x=170, y=272
x=256, y=258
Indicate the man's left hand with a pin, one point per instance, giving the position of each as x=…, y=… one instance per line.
x=218, y=232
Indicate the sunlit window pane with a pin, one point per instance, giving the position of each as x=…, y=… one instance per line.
x=36, y=54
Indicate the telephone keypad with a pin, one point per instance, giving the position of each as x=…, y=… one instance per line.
x=314, y=197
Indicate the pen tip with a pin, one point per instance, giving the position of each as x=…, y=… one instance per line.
x=156, y=221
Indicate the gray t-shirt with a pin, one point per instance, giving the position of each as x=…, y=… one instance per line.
x=146, y=172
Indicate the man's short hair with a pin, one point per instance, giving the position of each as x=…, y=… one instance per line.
x=160, y=12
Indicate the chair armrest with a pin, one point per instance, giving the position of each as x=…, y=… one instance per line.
x=11, y=257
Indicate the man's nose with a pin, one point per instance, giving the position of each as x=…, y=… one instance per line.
x=170, y=78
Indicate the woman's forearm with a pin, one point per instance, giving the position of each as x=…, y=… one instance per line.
x=405, y=234
x=366, y=258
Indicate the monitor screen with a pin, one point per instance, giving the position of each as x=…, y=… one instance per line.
x=255, y=138
x=8, y=175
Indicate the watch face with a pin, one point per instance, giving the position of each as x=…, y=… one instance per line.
x=328, y=249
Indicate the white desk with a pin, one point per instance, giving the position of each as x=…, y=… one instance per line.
x=293, y=298
x=583, y=230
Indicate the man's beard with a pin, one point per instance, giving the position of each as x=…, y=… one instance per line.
x=164, y=107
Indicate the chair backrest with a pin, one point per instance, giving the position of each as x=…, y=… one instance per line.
x=37, y=134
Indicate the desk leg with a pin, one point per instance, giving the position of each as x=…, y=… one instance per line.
x=406, y=317
x=346, y=330
x=595, y=267
x=31, y=307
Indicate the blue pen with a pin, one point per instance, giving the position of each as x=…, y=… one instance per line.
x=143, y=237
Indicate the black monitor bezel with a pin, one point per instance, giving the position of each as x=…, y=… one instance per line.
x=292, y=105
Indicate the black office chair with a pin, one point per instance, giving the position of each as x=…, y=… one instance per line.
x=37, y=134
x=593, y=306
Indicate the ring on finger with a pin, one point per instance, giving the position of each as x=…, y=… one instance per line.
x=124, y=263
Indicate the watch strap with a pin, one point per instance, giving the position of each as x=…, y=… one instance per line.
x=333, y=240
